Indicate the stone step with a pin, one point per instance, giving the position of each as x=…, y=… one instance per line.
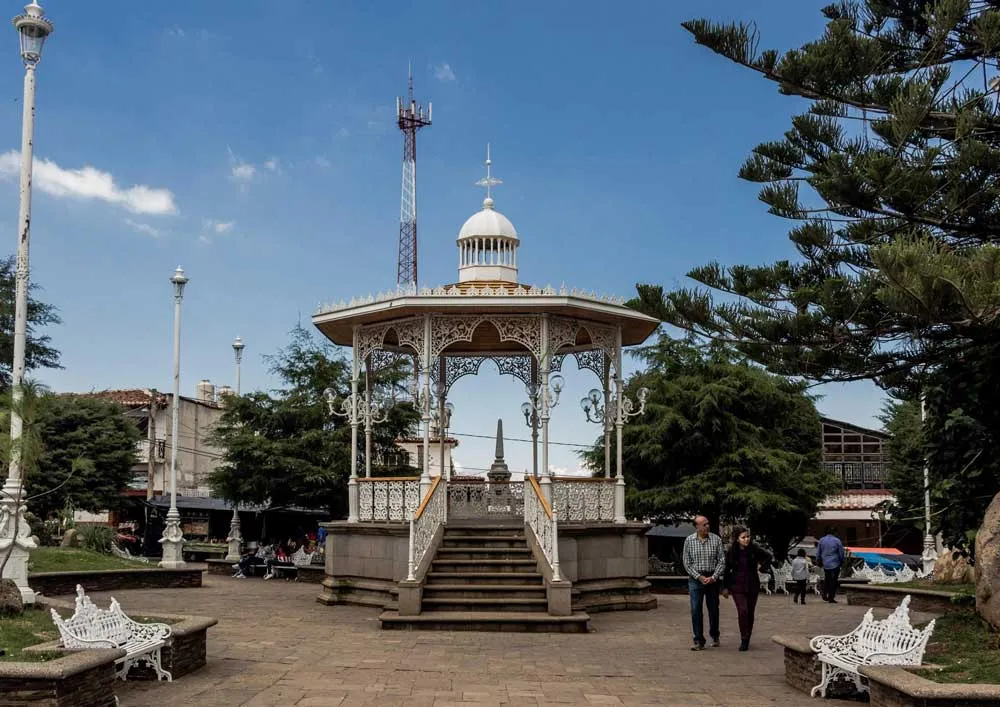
x=476, y=591
x=483, y=565
x=513, y=621
x=456, y=528
x=484, y=553
x=483, y=541
x=492, y=604
x=485, y=578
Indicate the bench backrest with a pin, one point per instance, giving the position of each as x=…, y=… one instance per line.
x=99, y=624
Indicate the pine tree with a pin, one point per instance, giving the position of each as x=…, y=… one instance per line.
x=39, y=352
x=891, y=180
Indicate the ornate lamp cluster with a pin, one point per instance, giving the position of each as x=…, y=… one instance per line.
x=534, y=404
x=597, y=412
x=370, y=408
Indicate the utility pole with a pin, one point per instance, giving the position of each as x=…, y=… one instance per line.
x=151, y=437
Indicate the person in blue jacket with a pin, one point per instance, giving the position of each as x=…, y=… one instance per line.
x=830, y=554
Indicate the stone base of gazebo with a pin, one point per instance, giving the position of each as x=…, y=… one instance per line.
x=605, y=563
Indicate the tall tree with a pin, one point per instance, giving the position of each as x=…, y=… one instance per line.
x=39, y=352
x=890, y=178
x=722, y=437
x=75, y=428
x=284, y=447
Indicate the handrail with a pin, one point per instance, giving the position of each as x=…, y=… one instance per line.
x=424, y=523
x=590, y=479
x=361, y=479
x=540, y=517
x=430, y=492
x=541, y=496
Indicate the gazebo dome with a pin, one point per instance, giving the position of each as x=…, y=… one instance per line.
x=488, y=222
x=487, y=243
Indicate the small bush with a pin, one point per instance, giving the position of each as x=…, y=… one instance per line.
x=97, y=538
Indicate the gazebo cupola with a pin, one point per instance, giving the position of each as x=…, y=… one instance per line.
x=487, y=243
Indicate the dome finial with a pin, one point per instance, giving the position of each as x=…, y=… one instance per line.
x=489, y=181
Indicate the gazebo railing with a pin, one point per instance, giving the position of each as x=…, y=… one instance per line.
x=542, y=520
x=583, y=499
x=485, y=499
x=390, y=499
x=431, y=514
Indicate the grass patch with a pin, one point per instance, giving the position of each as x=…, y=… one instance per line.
x=69, y=559
x=966, y=648
x=34, y=626
x=934, y=586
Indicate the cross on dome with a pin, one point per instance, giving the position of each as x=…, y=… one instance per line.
x=489, y=181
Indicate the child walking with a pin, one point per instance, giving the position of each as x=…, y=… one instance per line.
x=800, y=574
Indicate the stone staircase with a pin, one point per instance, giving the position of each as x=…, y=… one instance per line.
x=484, y=578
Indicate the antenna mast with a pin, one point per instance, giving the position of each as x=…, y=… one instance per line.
x=410, y=118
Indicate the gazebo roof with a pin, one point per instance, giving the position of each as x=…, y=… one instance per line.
x=337, y=321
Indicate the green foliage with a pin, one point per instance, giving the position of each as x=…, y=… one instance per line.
x=38, y=352
x=889, y=178
x=722, y=437
x=964, y=649
x=76, y=559
x=285, y=447
x=97, y=538
x=89, y=451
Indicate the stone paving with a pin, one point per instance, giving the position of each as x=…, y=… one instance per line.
x=274, y=645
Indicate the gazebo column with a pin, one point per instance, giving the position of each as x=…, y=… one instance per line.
x=367, y=413
x=442, y=373
x=619, y=425
x=606, y=385
x=425, y=474
x=534, y=417
x=546, y=479
x=352, y=483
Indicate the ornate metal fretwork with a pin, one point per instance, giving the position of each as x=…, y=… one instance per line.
x=370, y=340
x=602, y=337
x=411, y=334
x=517, y=366
x=562, y=332
x=425, y=525
x=592, y=361
x=381, y=360
x=446, y=331
x=457, y=367
x=584, y=499
x=523, y=330
x=486, y=499
x=388, y=499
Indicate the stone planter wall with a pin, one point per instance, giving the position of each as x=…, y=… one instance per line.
x=312, y=574
x=897, y=687
x=802, y=670
x=58, y=583
x=184, y=652
x=79, y=679
x=889, y=597
x=668, y=584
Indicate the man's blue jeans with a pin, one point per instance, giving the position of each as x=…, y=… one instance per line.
x=710, y=592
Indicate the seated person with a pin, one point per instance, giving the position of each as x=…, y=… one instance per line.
x=250, y=559
x=281, y=559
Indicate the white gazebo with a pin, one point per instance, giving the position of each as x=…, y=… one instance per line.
x=449, y=332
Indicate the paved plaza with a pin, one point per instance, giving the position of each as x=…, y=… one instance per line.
x=274, y=645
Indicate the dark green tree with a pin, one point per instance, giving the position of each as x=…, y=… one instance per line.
x=39, y=352
x=88, y=450
x=285, y=447
x=722, y=437
x=890, y=180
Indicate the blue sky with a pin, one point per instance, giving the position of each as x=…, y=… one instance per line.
x=253, y=143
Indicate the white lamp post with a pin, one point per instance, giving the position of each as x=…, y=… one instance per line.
x=235, y=538
x=173, y=537
x=929, y=556
x=33, y=28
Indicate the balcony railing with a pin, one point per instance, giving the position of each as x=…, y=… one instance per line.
x=859, y=474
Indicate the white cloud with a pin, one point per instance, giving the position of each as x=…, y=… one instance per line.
x=272, y=165
x=321, y=161
x=343, y=132
x=143, y=228
x=218, y=227
x=90, y=183
x=444, y=72
x=566, y=471
x=243, y=172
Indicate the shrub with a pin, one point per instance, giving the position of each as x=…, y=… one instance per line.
x=98, y=538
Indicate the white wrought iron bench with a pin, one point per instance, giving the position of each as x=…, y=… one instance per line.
x=891, y=641
x=124, y=554
x=765, y=581
x=300, y=558
x=93, y=627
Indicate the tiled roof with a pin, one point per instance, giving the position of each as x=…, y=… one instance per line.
x=129, y=398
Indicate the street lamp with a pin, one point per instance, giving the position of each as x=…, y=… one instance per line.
x=597, y=408
x=531, y=420
x=33, y=28
x=173, y=537
x=442, y=420
x=235, y=537
x=541, y=399
x=929, y=556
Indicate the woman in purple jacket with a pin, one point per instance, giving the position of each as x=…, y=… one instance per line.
x=742, y=581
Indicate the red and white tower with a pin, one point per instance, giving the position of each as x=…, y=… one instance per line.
x=410, y=118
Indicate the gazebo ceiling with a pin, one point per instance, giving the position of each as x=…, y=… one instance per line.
x=337, y=324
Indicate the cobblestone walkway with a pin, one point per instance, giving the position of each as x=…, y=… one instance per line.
x=274, y=645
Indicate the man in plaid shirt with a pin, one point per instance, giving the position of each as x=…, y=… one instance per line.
x=704, y=562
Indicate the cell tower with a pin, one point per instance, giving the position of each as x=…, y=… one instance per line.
x=410, y=118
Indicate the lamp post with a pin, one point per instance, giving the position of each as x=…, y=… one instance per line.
x=597, y=408
x=530, y=413
x=543, y=398
x=929, y=556
x=442, y=420
x=33, y=28
x=173, y=538
x=235, y=537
